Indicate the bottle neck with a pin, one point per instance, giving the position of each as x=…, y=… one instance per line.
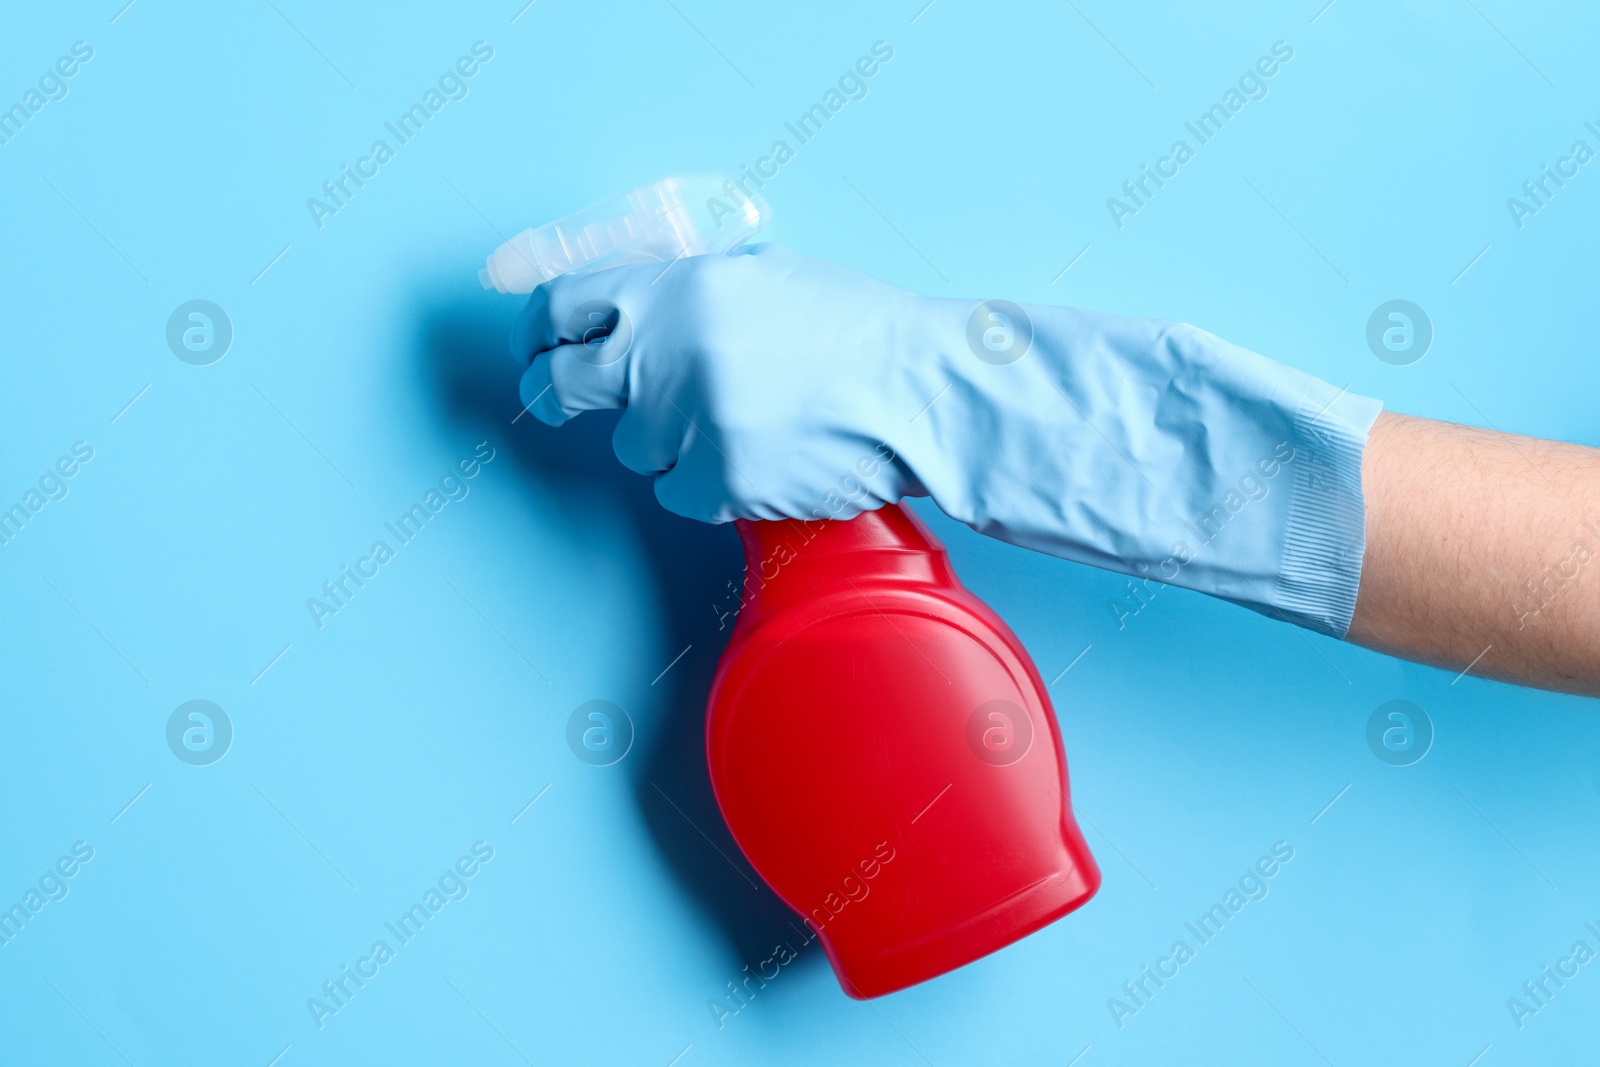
x=790, y=559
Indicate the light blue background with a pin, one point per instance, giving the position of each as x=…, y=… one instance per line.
x=427, y=714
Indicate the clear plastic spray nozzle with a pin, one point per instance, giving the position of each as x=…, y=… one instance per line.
x=686, y=215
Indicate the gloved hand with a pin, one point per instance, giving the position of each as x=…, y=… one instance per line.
x=766, y=384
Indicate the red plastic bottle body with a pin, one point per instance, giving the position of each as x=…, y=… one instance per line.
x=886, y=755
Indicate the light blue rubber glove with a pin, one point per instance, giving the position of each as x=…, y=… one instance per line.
x=766, y=384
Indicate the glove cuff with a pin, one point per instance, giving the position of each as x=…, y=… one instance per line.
x=1326, y=536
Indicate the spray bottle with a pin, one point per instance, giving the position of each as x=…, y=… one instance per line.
x=879, y=741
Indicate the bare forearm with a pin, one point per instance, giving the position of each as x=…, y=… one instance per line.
x=1484, y=549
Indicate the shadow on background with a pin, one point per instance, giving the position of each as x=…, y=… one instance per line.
x=476, y=383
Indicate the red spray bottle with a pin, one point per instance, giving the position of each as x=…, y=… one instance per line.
x=885, y=753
